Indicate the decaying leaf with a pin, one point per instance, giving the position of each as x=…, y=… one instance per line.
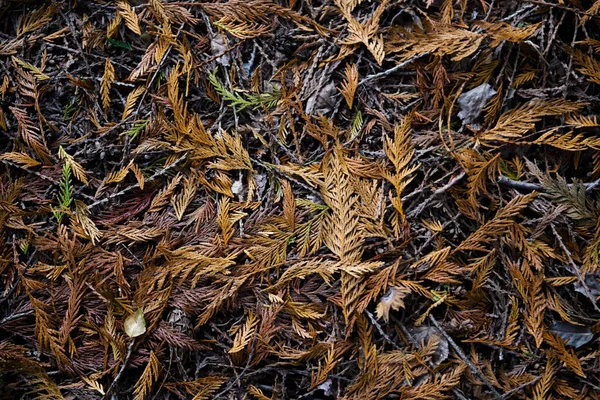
x=297, y=199
x=573, y=335
x=135, y=325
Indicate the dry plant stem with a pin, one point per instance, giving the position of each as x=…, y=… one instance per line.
x=516, y=390
x=130, y=188
x=15, y=316
x=575, y=268
x=381, y=332
x=562, y=7
x=391, y=70
x=463, y=357
x=115, y=382
x=525, y=186
x=457, y=392
x=530, y=187
x=417, y=211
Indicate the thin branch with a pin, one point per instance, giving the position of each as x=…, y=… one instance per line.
x=114, y=383
x=463, y=357
x=130, y=188
x=391, y=70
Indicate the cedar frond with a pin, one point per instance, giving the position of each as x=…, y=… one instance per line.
x=329, y=362
x=131, y=101
x=139, y=175
x=350, y=84
x=304, y=269
x=482, y=267
x=310, y=173
x=479, y=171
x=201, y=388
x=113, y=26
x=581, y=121
x=257, y=393
x=566, y=356
x=162, y=197
x=569, y=141
x=36, y=19
x=20, y=158
x=438, y=39
x=122, y=234
x=501, y=31
x=289, y=204
x=130, y=17
x=180, y=203
x=245, y=334
x=76, y=168
x=256, y=12
x=343, y=237
x=191, y=263
x=65, y=194
x=588, y=66
x=117, y=176
x=542, y=388
x=490, y=231
x=82, y=216
x=224, y=220
x=591, y=252
x=30, y=133
x=107, y=79
x=535, y=304
x=39, y=75
x=514, y=124
x=241, y=30
x=572, y=196
x=400, y=152
x=523, y=78
x=146, y=65
x=365, y=33
x=149, y=377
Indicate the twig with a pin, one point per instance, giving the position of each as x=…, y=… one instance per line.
x=463, y=357
x=526, y=186
x=381, y=332
x=520, y=387
x=457, y=392
x=15, y=316
x=573, y=10
x=391, y=70
x=130, y=188
x=576, y=269
x=417, y=211
x=114, y=383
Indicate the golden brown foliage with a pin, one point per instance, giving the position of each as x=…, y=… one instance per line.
x=296, y=199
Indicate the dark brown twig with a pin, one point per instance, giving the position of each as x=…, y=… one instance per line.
x=466, y=360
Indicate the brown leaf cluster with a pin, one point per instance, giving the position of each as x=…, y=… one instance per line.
x=284, y=199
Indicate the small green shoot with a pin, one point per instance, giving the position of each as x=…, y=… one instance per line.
x=118, y=43
x=65, y=193
x=136, y=129
x=248, y=100
x=70, y=109
x=357, y=124
x=24, y=245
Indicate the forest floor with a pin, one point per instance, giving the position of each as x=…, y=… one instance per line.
x=299, y=199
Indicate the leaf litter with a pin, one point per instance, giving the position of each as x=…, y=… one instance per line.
x=299, y=199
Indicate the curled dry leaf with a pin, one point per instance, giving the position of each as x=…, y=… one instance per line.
x=135, y=325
